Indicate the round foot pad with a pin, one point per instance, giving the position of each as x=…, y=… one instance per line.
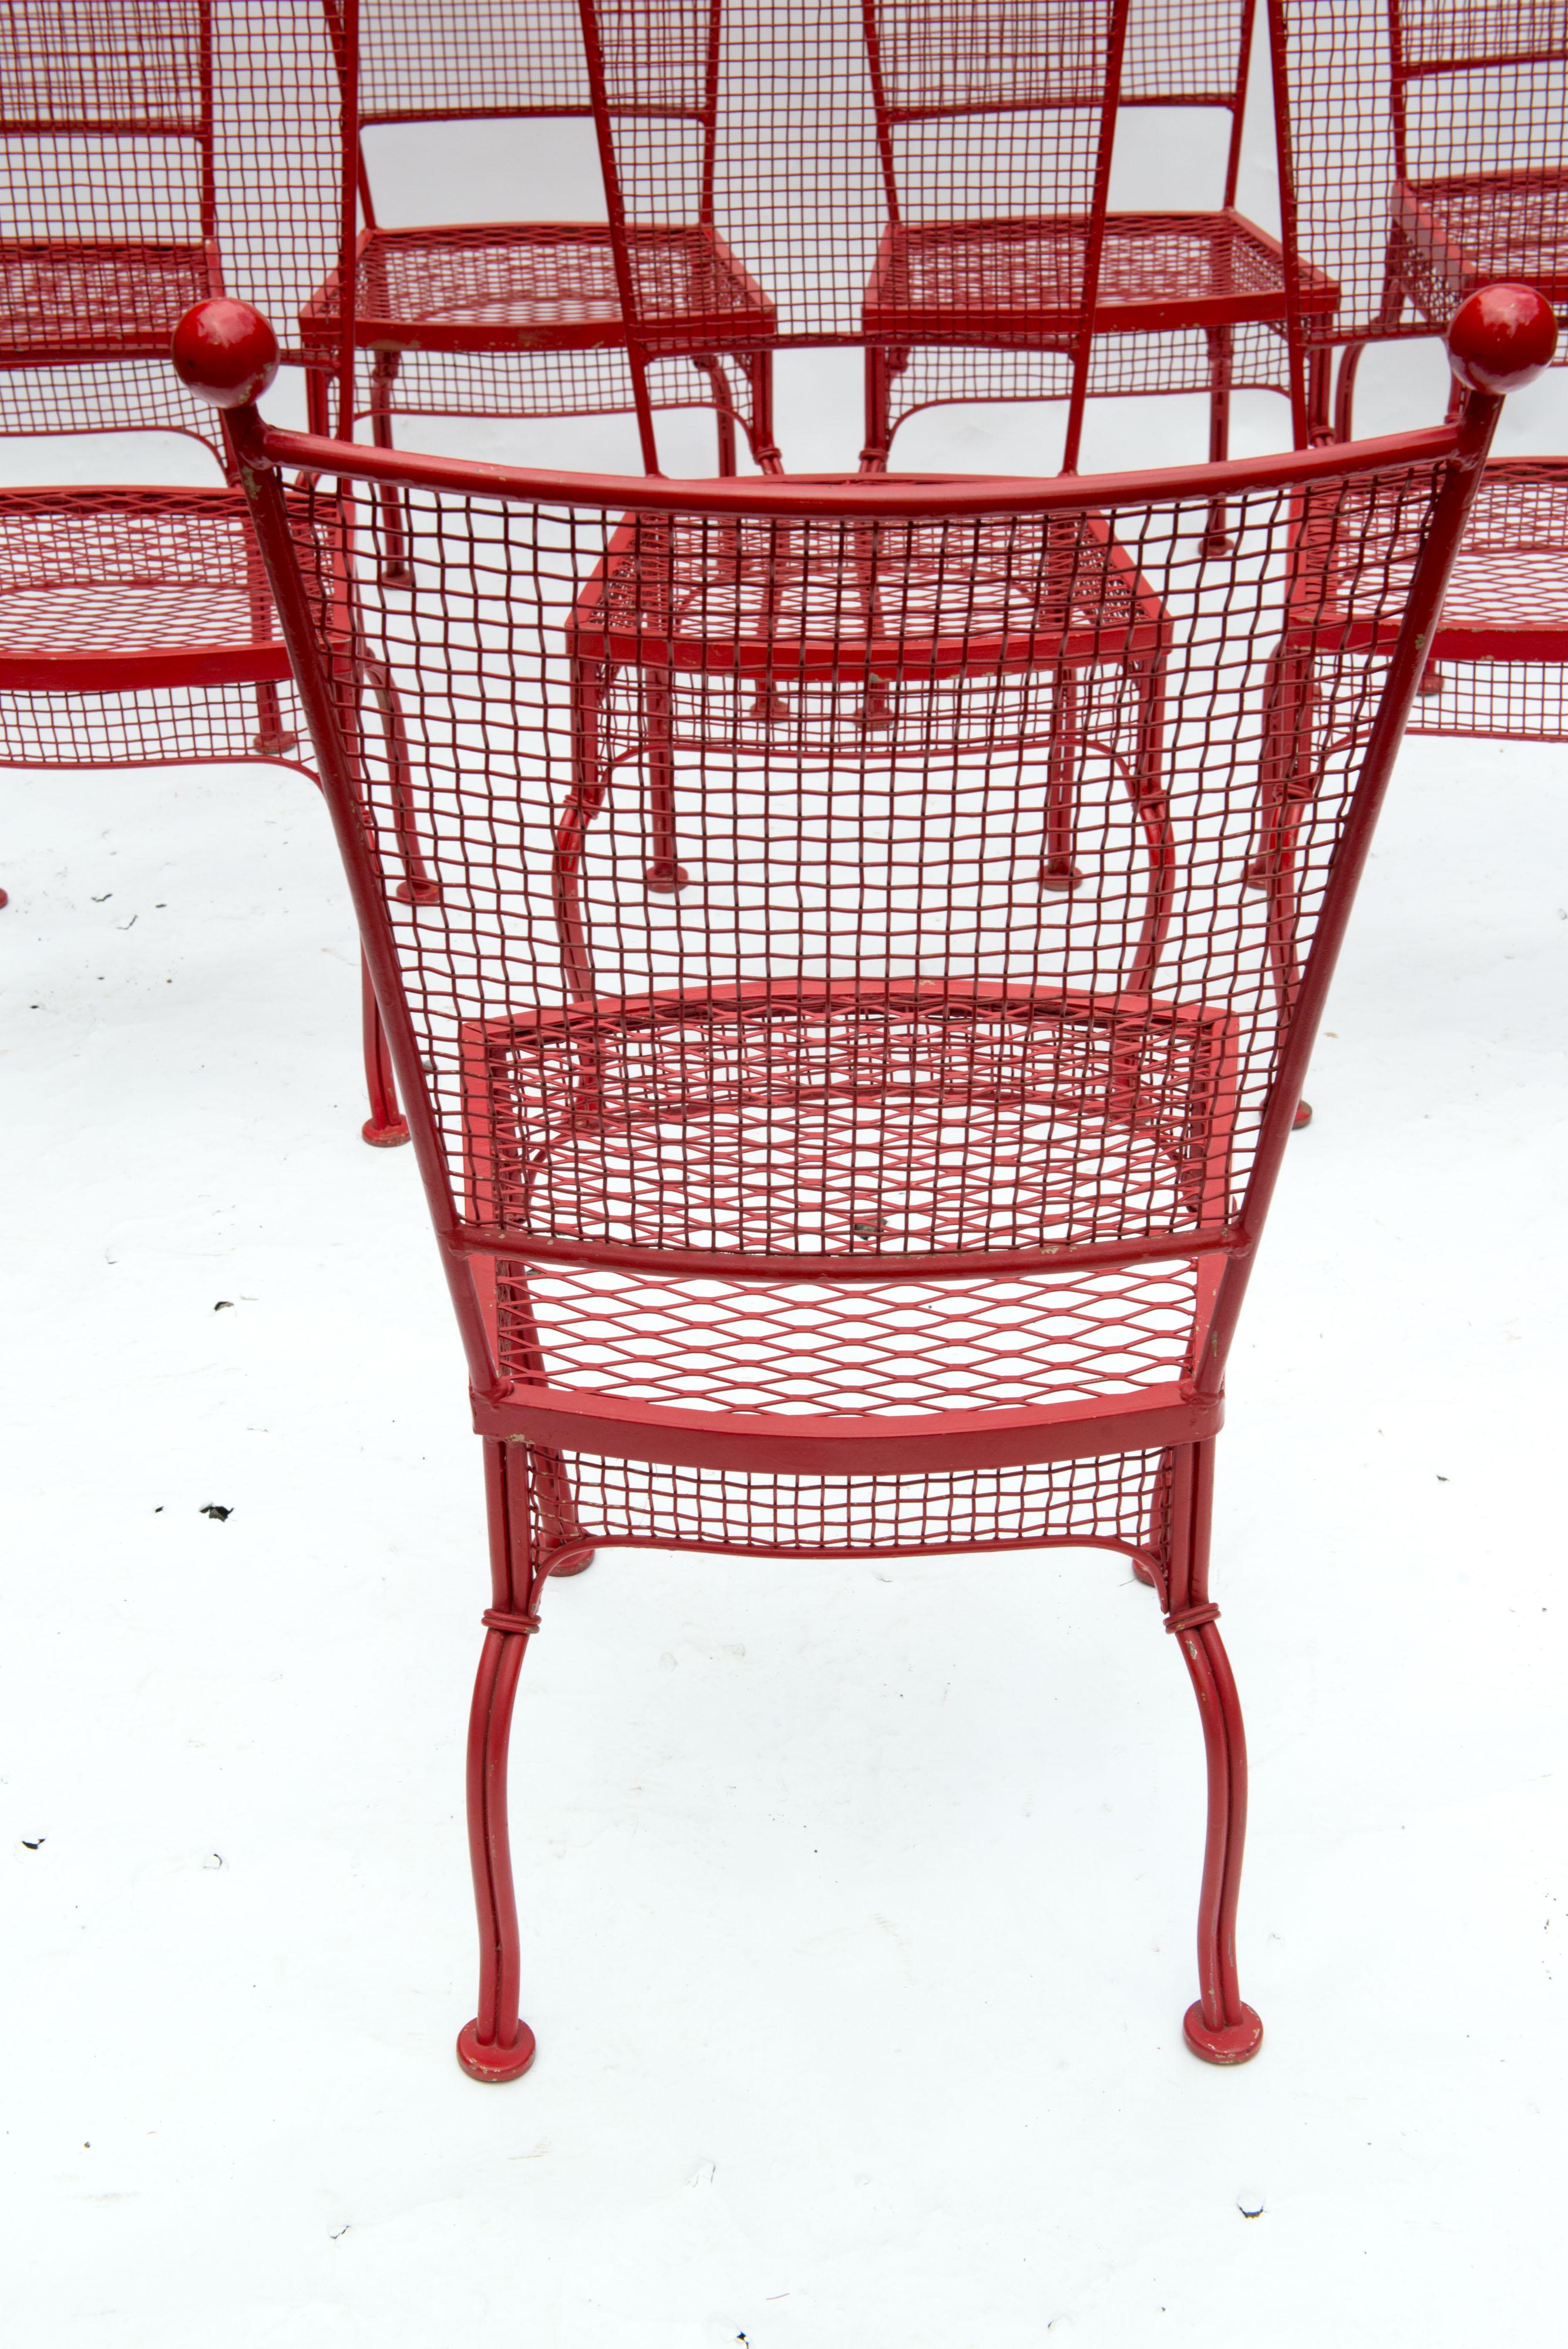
x=495, y=2063
x=1233, y=2042
x=1303, y=1116
x=1145, y=1573
x=384, y=1137
x=666, y=879
x=418, y=893
x=572, y=1561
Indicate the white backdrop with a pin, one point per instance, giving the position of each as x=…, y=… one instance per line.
x=858, y=1904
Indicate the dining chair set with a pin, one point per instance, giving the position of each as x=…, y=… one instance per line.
x=844, y=947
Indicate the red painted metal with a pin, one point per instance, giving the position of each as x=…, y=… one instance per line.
x=135, y=626
x=1038, y=286
x=1480, y=176
x=867, y=1194
x=137, y=629
x=1421, y=157
x=648, y=308
x=1497, y=655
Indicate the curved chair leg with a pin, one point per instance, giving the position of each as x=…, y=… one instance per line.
x=1219, y=2025
x=498, y=2045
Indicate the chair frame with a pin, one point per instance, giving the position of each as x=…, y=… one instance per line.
x=334, y=331
x=533, y=1529
x=1301, y=289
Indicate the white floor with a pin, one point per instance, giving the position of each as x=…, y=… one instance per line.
x=858, y=1906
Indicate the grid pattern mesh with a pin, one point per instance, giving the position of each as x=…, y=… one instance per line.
x=152, y=153
x=1471, y=92
x=94, y=577
x=1511, y=581
x=920, y=174
x=1121, y=1502
x=839, y=888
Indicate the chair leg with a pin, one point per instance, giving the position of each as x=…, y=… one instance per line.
x=1217, y=537
x=879, y=410
x=498, y=2045
x=1219, y=2025
x=396, y=569
x=386, y=1126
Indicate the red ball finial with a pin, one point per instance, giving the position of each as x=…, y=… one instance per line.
x=226, y=352
x=1502, y=338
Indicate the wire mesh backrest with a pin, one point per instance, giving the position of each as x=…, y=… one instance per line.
x=424, y=58
x=989, y=107
x=1185, y=53
x=1478, y=85
x=1333, y=91
x=106, y=109
x=470, y=58
x=970, y=807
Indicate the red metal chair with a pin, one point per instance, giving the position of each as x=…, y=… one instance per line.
x=866, y=1197
x=1492, y=654
x=1498, y=669
x=995, y=126
x=640, y=311
x=137, y=630
x=135, y=625
x=1420, y=156
x=1480, y=175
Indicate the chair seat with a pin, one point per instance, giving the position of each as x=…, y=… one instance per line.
x=879, y=1126
x=536, y=286
x=71, y=302
x=802, y=599
x=113, y=590
x=1460, y=235
x=1010, y=279
x=1508, y=592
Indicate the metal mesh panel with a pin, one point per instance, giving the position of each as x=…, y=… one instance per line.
x=785, y=889
x=1119, y=1503
x=151, y=154
x=1332, y=83
x=1118, y=365
x=135, y=590
x=1426, y=138
x=1510, y=585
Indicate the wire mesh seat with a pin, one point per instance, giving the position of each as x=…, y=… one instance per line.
x=109, y=211
x=862, y=1194
x=137, y=629
x=525, y=317
x=1002, y=109
x=1480, y=178
x=1497, y=657
x=788, y=642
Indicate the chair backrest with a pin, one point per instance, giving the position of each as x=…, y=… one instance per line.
x=1333, y=118
x=994, y=109
x=863, y=712
x=152, y=151
x=1191, y=53
x=656, y=62
x=105, y=117
x=1478, y=88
